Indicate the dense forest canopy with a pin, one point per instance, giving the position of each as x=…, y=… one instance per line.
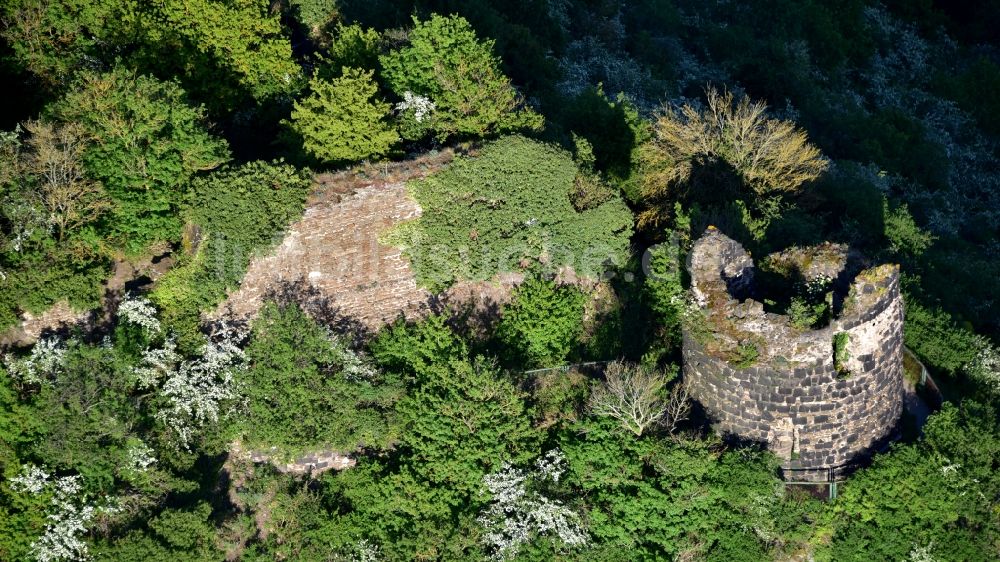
x=593, y=142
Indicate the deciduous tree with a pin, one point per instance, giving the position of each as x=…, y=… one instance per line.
x=691, y=148
x=342, y=120
x=446, y=62
x=146, y=142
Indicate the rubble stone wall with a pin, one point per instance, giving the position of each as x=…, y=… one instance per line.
x=334, y=251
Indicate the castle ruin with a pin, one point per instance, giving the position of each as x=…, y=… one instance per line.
x=822, y=399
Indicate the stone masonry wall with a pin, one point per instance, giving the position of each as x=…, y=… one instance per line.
x=332, y=257
x=812, y=414
x=334, y=250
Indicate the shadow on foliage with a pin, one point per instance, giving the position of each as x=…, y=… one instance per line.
x=317, y=305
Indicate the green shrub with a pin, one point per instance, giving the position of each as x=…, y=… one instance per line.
x=542, y=324
x=905, y=237
x=190, y=287
x=506, y=209
x=840, y=353
x=804, y=313
x=411, y=349
x=664, y=287
x=352, y=47
x=447, y=63
x=746, y=355
x=307, y=388
x=342, y=121
x=614, y=129
x=315, y=14
x=936, y=338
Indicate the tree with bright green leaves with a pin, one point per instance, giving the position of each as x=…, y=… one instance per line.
x=459, y=73
x=542, y=323
x=308, y=389
x=342, y=120
x=352, y=46
x=54, y=39
x=664, y=285
x=506, y=209
x=462, y=420
x=225, y=50
x=413, y=348
x=240, y=39
x=146, y=143
x=906, y=239
x=937, y=338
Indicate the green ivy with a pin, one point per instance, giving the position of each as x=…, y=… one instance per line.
x=505, y=209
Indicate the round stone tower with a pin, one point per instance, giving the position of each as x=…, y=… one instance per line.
x=822, y=399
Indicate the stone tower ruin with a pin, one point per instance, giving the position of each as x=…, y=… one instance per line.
x=822, y=399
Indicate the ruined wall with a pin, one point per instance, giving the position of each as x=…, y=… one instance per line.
x=332, y=262
x=794, y=397
x=334, y=253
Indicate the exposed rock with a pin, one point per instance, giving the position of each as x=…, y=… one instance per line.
x=333, y=263
x=60, y=316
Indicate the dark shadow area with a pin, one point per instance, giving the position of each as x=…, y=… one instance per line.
x=604, y=124
x=21, y=91
x=319, y=306
x=778, y=285
x=472, y=318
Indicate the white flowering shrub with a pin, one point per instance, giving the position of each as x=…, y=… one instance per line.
x=69, y=514
x=138, y=458
x=520, y=510
x=922, y=553
x=31, y=480
x=366, y=552
x=551, y=465
x=155, y=364
x=986, y=366
x=758, y=515
x=355, y=365
x=140, y=312
x=422, y=106
x=46, y=359
x=198, y=390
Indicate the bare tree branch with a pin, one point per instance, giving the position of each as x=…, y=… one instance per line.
x=632, y=394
